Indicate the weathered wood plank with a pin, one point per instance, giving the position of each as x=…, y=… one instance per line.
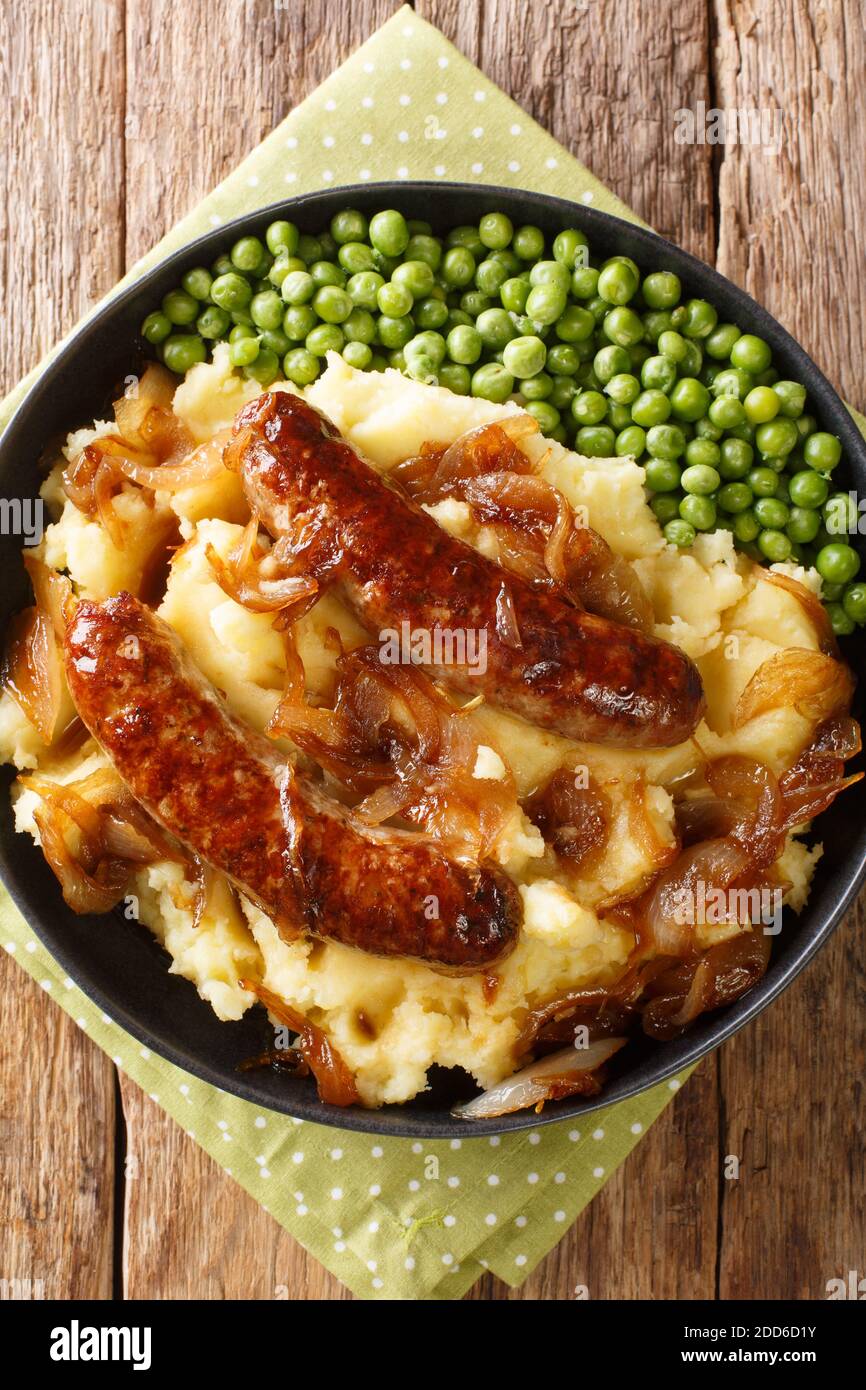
x=60, y=229
x=204, y=113
x=791, y=231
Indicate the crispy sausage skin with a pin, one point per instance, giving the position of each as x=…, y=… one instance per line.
x=224, y=792
x=579, y=674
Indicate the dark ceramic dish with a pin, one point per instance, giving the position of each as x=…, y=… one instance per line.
x=117, y=963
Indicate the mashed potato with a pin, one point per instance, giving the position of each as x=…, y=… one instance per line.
x=393, y=1019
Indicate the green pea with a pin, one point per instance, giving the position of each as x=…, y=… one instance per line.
x=182, y=351
x=538, y=387
x=266, y=309
x=547, y=415
x=283, y=266
x=661, y=289
x=513, y=264
x=761, y=404
x=244, y=351
x=734, y=497
x=822, y=451
x=792, y=398
x=562, y=392
x=750, y=354
x=458, y=266
x=495, y=230
x=360, y=326
x=803, y=525
x=524, y=356
x=332, y=304
x=327, y=273
x=388, y=232
x=427, y=344
x=698, y=511
x=763, y=481
x=275, y=340
x=574, y=325
x=457, y=317
x=679, y=532
x=701, y=479
x=213, y=323
x=651, y=408
x=659, y=373
x=672, y=345
x=623, y=388
x=513, y=294
x=247, y=254
x=464, y=345
x=348, y=226
x=854, y=602
x=808, y=489
x=584, y=282
x=599, y=308
x=666, y=441
x=656, y=322
x=422, y=368
x=774, y=545
x=325, y=338
x=563, y=359
x=417, y=277
x=297, y=288
x=617, y=282
x=777, y=437
x=197, y=282
x=610, y=361
x=689, y=399
x=394, y=300
x=727, y=412
x=423, y=247
x=699, y=319
x=298, y=321
x=282, y=236
x=545, y=303
x=355, y=257
x=496, y=329
x=772, y=513
x=623, y=326
x=473, y=302
x=242, y=330
x=705, y=429
x=492, y=382
x=364, y=289
x=156, y=327
x=746, y=527
x=630, y=441
x=734, y=382
x=181, y=308
x=394, y=333
x=666, y=507
x=720, y=340
x=806, y=425
x=595, y=441
x=618, y=416
x=840, y=621
x=528, y=243
x=221, y=266
x=308, y=248
x=662, y=475
x=571, y=247
x=703, y=451
x=589, y=408
x=490, y=276
x=455, y=377
x=431, y=312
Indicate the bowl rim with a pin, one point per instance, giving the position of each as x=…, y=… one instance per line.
x=680, y=1054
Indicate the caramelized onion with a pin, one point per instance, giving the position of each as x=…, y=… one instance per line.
x=242, y=576
x=570, y=1072
x=539, y=536
x=811, y=604
x=32, y=670
x=574, y=819
x=816, y=685
x=334, y=1080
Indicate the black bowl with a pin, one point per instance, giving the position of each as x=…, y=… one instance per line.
x=119, y=964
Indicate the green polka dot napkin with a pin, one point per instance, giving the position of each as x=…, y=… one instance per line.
x=391, y=1218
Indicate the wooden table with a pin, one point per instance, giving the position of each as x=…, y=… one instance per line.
x=118, y=115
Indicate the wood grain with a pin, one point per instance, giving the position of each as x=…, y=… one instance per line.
x=791, y=232
x=61, y=232
x=97, y=169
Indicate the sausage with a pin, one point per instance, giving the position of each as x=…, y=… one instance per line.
x=336, y=519
x=224, y=791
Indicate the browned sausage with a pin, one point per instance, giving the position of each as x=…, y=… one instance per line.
x=222, y=789
x=584, y=676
